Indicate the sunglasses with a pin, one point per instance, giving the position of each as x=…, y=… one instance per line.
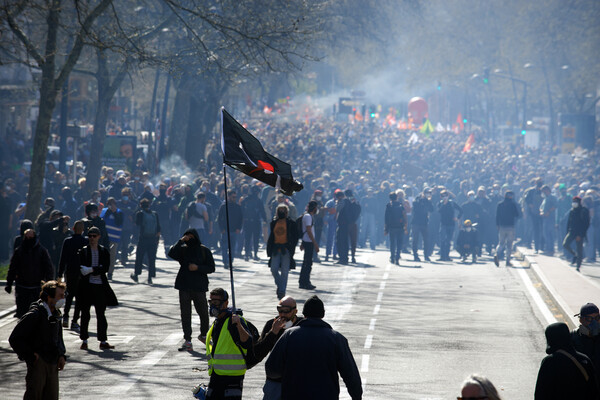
x=590, y=319
x=284, y=309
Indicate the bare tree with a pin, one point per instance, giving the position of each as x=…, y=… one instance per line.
x=55, y=22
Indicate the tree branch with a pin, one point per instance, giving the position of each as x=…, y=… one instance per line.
x=31, y=50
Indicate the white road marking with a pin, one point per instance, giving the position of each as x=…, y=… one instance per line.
x=172, y=339
x=376, y=309
x=114, y=339
x=372, y=324
x=364, y=365
x=388, y=267
x=341, y=301
x=382, y=286
x=368, y=342
x=379, y=297
x=537, y=298
x=385, y=276
x=152, y=358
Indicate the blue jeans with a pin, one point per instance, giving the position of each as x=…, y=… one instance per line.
x=396, y=236
x=280, y=268
x=368, y=231
x=331, y=245
x=548, y=232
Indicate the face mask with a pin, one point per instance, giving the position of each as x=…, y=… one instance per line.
x=214, y=310
x=125, y=198
x=471, y=198
x=281, y=215
x=318, y=198
x=594, y=328
x=543, y=195
x=93, y=215
x=288, y=324
x=60, y=303
x=468, y=229
x=575, y=205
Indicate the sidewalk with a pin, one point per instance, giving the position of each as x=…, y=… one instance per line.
x=569, y=288
x=7, y=301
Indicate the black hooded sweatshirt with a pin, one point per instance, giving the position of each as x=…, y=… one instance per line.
x=192, y=252
x=559, y=376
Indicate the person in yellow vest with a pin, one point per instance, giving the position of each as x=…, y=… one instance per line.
x=227, y=344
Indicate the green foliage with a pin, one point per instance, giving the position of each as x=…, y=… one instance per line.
x=3, y=272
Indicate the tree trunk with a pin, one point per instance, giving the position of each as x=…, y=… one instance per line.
x=180, y=120
x=106, y=92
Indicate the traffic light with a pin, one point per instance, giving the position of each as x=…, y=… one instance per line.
x=439, y=86
x=523, y=132
x=486, y=75
x=465, y=120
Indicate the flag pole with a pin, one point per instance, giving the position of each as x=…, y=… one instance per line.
x=228, y=237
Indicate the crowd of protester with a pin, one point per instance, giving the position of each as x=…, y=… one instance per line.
x=365, y=184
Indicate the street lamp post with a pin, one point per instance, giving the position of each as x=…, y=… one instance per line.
x=552, y=131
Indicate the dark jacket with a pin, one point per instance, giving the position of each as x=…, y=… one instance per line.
x=588, y=345
x=139, y=221
x=25, y=224
x=69, y=258
x=100, y=224
x=448, y=212
x=45, y=233
x=236, y=217
x=38, y=332
x=579, y=221
x=421, y=208
x=559, y=377
x=253, y=209
x=507, y=213
x=307, y=359
x=30, y=265
x=267, y=339
x=467, y=238
x=292, y=238
x=395, y=216
x=85, y=258
x=196, y=253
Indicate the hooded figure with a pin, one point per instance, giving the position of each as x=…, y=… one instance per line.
x=25, y=224
x=565, y=373
x=195, y=263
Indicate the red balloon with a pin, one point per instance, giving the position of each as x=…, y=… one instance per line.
x=418, y=109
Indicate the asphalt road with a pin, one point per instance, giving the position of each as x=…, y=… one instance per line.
x=416, y=331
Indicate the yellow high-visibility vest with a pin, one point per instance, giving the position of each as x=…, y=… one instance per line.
x=227, y=359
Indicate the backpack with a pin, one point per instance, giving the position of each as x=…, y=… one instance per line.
x=250, y=358
x=191, y=211
x=149, y=225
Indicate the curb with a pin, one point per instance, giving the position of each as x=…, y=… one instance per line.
x=560, y=302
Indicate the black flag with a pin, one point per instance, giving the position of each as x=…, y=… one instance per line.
x=243, y=152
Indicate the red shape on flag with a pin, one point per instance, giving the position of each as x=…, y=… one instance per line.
x=469, y=143
x=266, y=166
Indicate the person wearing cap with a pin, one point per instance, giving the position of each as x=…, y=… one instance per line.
x=578, y=223
x=313, y=352
x=586, y=338
x=507, y=213
x=467, y=242
x=565, y=373
x=94, y=289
